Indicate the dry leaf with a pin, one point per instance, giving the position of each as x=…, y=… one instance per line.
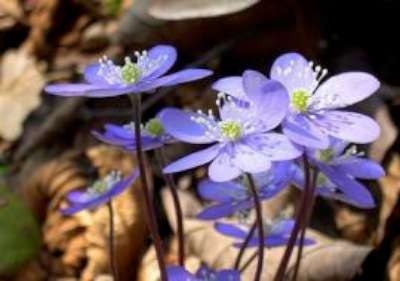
x=188, y=9
x=21, y=82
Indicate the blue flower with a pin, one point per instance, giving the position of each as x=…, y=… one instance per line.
x=312, y=116
x=153, y=135
x=106, y=79
x=277, y=233
x=234, y=197
x=204, y=273
x=338, y=171
x=100, y=192
x=241, y=139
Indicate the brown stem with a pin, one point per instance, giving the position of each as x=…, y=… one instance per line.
x=260, y=227
x=113, y=266
x=177, y=206
x=151, y=216
x=295, y=232
x=244, y=245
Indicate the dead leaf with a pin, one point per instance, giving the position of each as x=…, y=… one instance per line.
x=21, y=82
x=188, y=9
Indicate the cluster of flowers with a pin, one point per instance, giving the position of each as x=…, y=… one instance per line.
x=293, y=100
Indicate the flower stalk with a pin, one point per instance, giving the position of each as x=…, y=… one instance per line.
x=169, y=180
x=151, y=216
x=301, y=212
x=260, y=227
x=244, y=245
x=111, y=240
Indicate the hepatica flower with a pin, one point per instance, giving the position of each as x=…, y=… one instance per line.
x=153, y=135
x=241, y=138
x=145, y=74
x=339, y=169
x=204, y=273
x=234, y=197
x=100, y=192
x=276, y=233
x=312, y=115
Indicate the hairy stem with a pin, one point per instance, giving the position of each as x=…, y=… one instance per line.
x=280, y=274
x=169, y=180
x=244, y=245
x=151, y=216
x=113, y=267
x=260, y=227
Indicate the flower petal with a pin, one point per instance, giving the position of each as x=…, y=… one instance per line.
x=232, y=86
x=348, y=126
x=91, y=75
x=253, y=82
x=193, y=160
x=273, y=146
x=250, y=160
x=360, y=168
x=293, y=71
x=71, y=90
x=351, y=188
x=222, y=168
x=230, y=230
x=183, y=76
x=271, y=104
x=221, y=191
x=180, y=125
x=228, y=275
x=301, y=131
x=343, y=90
x=163, y=58
x=225, y=209
x=178, y=273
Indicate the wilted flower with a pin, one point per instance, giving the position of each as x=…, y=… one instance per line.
x=204, y=273
x=243, y=143
x=276, y=233
x=235, y=197
x=338, y=171
x=312, y=116
x=106, y=79
x=152, y=133
x=100, y=192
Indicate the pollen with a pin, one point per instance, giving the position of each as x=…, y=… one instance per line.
x=129, y=71
x=230, y=129
x=154, y=127
x=300, y=100
x=103, y=185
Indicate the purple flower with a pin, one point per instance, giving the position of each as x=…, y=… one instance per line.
x=106, y=79
x=277, y=233
x=339, y=170
x=100, y=192
x=241, y=139
x=312, y=115
x=234, y=196
x=153, y=135
x=204, y=273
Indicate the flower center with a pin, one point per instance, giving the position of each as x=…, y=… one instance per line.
x=300, y=100
x=325, y=155
x=103, y=185
x=230, y=129
x=154, y=127
x=130, y=72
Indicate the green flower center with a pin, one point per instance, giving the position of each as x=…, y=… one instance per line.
x=230, y=129
x=129, y=71
x=300, y=100
x=154, y=127
x=98, y=187
x=325, y=155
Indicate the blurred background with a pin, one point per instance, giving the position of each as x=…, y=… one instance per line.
x=46, y=148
